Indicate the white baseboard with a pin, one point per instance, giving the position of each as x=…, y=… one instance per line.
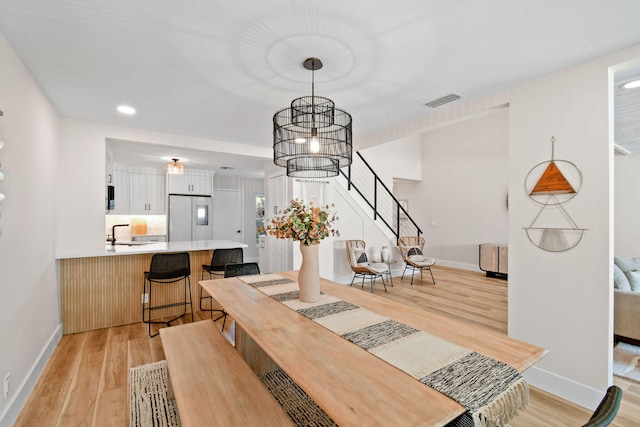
x=12, y=411
x=344, y=280
x=565, y=388
x=460, y=265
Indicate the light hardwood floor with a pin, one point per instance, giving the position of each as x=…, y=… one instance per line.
x=85, y=382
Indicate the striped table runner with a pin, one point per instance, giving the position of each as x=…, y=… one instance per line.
x=491, y=391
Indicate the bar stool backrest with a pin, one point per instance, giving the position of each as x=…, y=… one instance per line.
x=222, y=257
x=169, y=266
x=246, y=269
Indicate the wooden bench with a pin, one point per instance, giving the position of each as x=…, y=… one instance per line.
x=211, y=382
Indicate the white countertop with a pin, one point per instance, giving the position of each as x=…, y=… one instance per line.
x=153, y=247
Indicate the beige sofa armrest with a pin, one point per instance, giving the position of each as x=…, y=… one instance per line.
x=626, y=313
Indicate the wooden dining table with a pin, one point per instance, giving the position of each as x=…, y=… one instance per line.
x=353, y=386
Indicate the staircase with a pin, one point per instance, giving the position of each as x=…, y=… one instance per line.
x=386, y=208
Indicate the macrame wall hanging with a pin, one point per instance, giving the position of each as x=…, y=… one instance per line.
x=551, y=184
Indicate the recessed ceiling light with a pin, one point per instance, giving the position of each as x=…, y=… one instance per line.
x=631, y=85
x=125, y=109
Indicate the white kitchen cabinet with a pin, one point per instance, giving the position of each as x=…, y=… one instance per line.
x=120, y=182
x=193, y=184
x=146, y=193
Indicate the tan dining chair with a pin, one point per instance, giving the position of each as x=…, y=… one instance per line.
x=411, y=248
x=360, y=265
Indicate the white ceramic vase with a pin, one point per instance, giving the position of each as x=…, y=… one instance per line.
x=309, y=274
x=375, y=255
x=384, y=253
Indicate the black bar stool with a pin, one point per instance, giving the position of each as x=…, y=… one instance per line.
x=233, y=270
x=167, y=269
x=219, y=259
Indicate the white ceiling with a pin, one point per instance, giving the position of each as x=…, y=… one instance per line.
x=146, y=155
x=221, y=69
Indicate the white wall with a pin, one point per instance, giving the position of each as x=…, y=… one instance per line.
x=459, y=201
x=563, y=301
x=396, y=159
x=627, y=206
x=29, y=300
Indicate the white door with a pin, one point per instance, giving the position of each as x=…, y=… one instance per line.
x=227, y=215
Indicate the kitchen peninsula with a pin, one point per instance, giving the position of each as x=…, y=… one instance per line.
x=103, y=287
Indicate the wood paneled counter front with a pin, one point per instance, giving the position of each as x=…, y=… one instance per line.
x=103, y=288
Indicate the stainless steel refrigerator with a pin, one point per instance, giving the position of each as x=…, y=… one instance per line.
x=190, y=218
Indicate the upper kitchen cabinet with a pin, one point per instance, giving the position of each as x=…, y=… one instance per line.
x=119, y=180
x=192, y=183
x=146, y=193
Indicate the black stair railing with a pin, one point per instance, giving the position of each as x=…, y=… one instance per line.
x=393, y=215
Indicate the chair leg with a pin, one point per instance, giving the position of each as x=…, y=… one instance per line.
x=150, y=307
x=224, y=321
x=383, y=284
x=432, y=279
x=352, y=279
x=403, y=271
x=413, y=271
x=190, y=299
x=210, y=309
x=149, y=322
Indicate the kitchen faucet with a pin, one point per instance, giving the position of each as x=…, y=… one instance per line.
x=113, y=233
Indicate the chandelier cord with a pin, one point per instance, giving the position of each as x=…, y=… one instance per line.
x=313, y=96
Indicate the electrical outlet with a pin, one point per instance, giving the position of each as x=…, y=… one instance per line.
x=7, y=380
x=145, y=298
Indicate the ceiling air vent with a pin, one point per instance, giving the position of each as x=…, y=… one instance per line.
x=444, y=100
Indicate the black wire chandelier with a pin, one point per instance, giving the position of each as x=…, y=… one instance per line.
x=312, y=138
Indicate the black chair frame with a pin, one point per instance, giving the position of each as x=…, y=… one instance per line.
x=372, y=278
x=219, y=259
x=238, y=269
x=241, y=269
x=413, y=270
x=167, y=269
